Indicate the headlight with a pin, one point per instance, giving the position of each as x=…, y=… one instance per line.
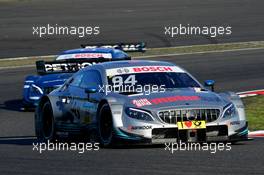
x=35, y=91
x=138, y=114
x=229, y=111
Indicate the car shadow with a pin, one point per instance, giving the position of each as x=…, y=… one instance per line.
x=29, y=140
x=18, y=140
x=12, y=105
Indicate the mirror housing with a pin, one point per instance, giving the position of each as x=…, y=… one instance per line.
x=90, y=90
x=209, y=83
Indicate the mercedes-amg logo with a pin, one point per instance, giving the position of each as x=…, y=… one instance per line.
x=124, y=70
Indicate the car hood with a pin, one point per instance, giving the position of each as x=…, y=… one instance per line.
x=183, y=98
x=52, y=80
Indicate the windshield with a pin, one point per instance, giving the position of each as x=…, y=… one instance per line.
x=166, y=80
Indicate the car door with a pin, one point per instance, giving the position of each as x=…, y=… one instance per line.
x=67, y=103
x=89, y=101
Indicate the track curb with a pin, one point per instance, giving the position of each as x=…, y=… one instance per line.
x=251, y=93
x=259, y=133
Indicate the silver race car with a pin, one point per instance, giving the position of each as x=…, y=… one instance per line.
x=140, y=101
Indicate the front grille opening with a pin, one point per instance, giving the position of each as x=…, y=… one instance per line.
x=175, y=115
x=164, y=133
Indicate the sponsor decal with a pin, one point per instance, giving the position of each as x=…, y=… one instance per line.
x=142, y=69
x=191, y=125
x=145, y=102
x=138, y=127
x=124, y=47
x=235, y=123
x=66, y=66
x=174, y=99
x=153, y=69
x=141, y=102
x=84, y=55
x=91, y=55
x=123, y=70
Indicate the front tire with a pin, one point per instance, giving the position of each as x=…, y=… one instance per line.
x=44, y=122
x=105, y=126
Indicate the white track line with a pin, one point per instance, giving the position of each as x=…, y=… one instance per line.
x=196, y=53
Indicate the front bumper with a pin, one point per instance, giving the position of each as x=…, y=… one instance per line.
x=159, y=135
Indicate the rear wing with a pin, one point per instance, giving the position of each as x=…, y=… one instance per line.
x=126, y=47
x=66, y=66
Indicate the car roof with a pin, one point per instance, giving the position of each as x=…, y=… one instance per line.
x=128, y=63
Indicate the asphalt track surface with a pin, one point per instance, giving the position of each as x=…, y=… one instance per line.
x=123, y=21
x=237, y=71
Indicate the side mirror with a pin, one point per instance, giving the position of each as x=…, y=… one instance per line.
x=90, y=90
x=210, y=83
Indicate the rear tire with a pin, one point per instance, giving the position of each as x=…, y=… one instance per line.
x=44, y=122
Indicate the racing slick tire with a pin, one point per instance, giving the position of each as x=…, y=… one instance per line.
x=105, y=126
x=44, y=122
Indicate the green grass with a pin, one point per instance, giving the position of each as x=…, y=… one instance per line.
x=255, y=112
x=153, y=52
